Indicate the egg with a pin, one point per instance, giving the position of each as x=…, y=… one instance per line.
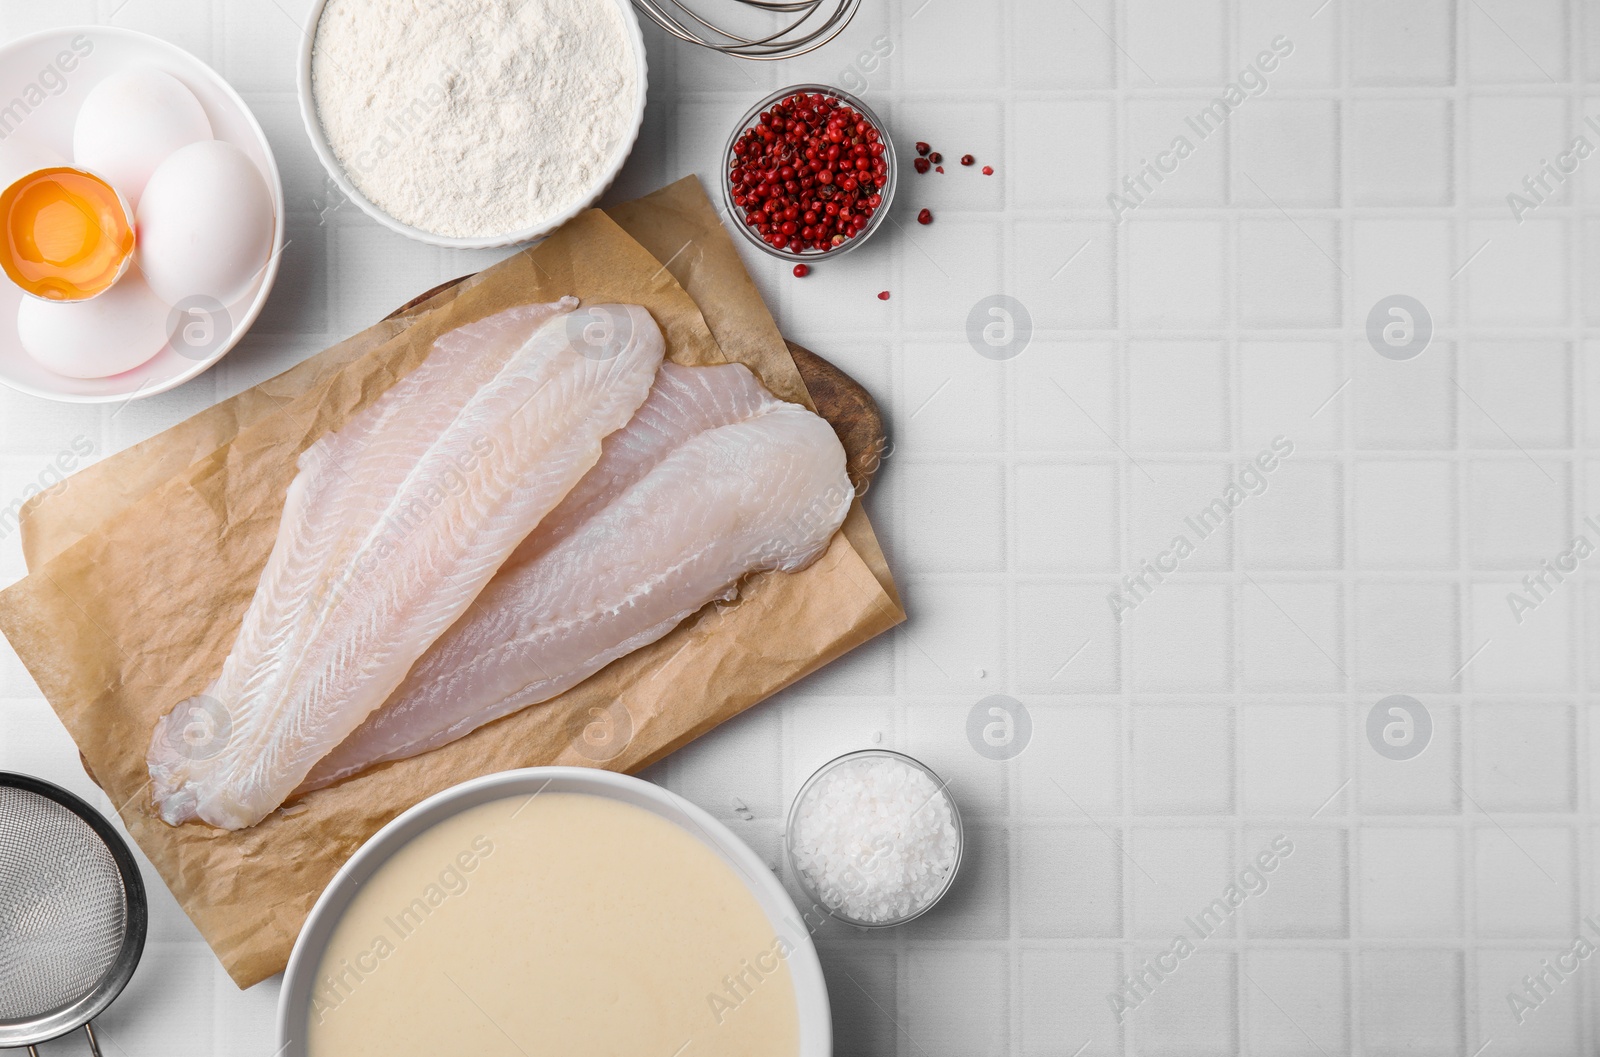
x=131, y=122
x=20, y=156
x=205, y=224
x=105, y=335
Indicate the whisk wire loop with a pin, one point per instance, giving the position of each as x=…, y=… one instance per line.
x=795, y=38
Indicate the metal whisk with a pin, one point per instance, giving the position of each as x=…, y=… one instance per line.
x=830, y=17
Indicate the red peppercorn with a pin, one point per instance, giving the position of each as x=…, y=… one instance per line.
x=920, y=164
x=938, y=168
x=936, y=157
x=967, y=159
x=925, y=217
x=988, y=170
x=883, y=295
x=922, y=148
x=802, y=270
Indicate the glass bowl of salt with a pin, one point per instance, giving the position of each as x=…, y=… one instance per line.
x=874, y=838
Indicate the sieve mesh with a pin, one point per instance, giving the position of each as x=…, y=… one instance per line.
x=63, y=910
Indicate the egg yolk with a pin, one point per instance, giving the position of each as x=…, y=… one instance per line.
x=64, y=234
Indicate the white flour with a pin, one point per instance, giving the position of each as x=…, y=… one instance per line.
x=474, y=118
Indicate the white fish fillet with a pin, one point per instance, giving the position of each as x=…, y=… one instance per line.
x=683, y=402
x=691, y=512
x=392, y=527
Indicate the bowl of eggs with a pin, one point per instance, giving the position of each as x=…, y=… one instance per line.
x=141, y=215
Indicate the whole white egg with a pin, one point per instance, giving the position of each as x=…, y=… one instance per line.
x=131, y=122
x=205, y=224
x=108, y=334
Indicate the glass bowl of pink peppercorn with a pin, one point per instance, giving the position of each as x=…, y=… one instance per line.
x=809, y=172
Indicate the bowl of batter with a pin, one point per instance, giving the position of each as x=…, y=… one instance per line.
x=554, y=910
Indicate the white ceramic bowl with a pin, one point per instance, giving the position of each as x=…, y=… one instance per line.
x=49, y=123
x=811, y=993
x=330, y=162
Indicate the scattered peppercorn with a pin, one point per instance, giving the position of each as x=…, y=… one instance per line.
x=925, y=217
x=988, y=170
x=938, y=168
x=936, y=157
x=922, y=148
x=920, y=164
x=883, y=295
x=967, y=159
x=802, y=270
x=809, y=174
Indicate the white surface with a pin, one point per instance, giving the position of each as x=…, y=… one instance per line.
x=32, y=63
x=1232, y=706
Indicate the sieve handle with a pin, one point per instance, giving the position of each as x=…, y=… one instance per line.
x=94, y=1043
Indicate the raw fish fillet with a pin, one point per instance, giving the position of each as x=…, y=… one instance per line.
x=694, y=506
x=683, y=402
x=392, y=527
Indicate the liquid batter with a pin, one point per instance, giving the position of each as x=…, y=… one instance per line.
x=561, y=924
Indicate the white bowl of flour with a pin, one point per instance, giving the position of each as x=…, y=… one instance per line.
x=473, y=123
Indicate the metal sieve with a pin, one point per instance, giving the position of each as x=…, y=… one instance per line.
x=72, y=913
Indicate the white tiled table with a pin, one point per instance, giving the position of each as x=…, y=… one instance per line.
x=1231, y=707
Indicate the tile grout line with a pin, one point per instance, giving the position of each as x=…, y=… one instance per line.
x=1121, y=403
x=1235, y=411
x=1461, y=237
x=900, y=948
x=1466, y=630
x=1577, y=425
x=1011, y=537
x=1351, y=708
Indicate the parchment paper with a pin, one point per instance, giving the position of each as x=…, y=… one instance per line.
x=139, y=582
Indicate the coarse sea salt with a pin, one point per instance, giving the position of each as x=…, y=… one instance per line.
x=875, y=838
